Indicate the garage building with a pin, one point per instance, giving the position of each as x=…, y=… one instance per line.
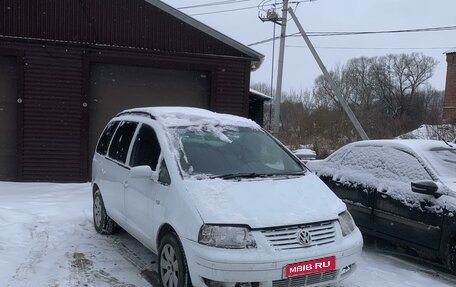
x=68, y=66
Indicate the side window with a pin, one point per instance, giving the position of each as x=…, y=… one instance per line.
x=146, y=149
x=105, y=139
x=121, y=141
x=163, y=175
x=385, y=163
x=405, y=166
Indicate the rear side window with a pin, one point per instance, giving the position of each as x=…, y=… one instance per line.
x=121, y=141
x=105, y=139
x=146, y=150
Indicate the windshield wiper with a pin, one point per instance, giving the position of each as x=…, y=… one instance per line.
x=287, y=173
x=237, y=175
x=253, y=175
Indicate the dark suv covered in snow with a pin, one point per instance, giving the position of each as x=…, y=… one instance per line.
x=400, y=190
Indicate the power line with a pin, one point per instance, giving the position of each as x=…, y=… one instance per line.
x=374, y=48
x=246, y=8
x=326, y=34
x=223, y=11
x=213, y=4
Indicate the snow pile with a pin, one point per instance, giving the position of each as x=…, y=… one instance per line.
x=432, y=132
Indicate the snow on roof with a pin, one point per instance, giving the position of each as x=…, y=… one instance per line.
x=260, y=95
x=258, y=57
x=305, y=154
x=304, y=151
x=451, y=51
x=186, y=116
x=431, y=132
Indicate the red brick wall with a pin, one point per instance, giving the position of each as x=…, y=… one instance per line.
x=449, y=107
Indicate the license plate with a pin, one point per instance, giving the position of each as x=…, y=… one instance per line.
x=311, y=266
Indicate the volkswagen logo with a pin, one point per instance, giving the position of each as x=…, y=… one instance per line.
x=304, y=237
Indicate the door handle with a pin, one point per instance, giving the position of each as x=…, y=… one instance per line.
x=125, y=184
x=157, y=202
x=384, y=196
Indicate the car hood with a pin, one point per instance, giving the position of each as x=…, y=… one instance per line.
x=261, y=203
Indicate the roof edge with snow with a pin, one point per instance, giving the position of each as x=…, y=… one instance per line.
x=260, y=95
x=258, y=57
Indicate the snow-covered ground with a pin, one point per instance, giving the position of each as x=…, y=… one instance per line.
x=47, y=239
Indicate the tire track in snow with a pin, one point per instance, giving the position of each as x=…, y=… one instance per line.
x=40, y=243
x=83, y=274
x=147, y=270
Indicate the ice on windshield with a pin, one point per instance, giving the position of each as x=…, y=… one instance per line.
x=223, y=150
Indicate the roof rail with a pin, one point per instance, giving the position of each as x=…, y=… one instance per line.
x=136, y=113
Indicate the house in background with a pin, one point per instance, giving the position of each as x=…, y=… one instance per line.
x=449, y=106
x=68, y=66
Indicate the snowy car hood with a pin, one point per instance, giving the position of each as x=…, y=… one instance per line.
x=261, y=203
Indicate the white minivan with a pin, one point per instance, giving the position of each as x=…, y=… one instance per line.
x=220, y=201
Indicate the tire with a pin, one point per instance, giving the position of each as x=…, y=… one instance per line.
x=101, y=221
x=172, y=264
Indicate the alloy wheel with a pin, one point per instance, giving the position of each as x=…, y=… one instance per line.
x=97, y=210
x=169, y=264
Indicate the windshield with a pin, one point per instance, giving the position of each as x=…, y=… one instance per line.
x=230, y=151
x=443, y=160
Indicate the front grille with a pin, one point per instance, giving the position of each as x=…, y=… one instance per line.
x=306, y=280
x=285, y=238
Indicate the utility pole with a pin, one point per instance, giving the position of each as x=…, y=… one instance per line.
x=278, y=95
x=334, y=86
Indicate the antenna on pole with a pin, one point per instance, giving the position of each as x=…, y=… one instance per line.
x=268, y=15
x=272, y=16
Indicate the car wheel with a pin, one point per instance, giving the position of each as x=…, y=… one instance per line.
x=102, y=222
x=172, y=264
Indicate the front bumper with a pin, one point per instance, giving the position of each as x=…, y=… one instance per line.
x=265, y=265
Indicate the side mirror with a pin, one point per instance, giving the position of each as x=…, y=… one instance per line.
x=142, y=172
x=426, y=187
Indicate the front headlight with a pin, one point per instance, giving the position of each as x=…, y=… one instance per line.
x=231, y=237
x=346, y=223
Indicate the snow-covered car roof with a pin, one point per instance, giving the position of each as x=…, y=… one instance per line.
x=186, y=116
x=419, y=146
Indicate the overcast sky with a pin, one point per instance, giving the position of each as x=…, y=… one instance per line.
x=300, y=69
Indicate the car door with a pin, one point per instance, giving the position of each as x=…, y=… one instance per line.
x=117, y=170
x=348, y=184
x=400, y=213
x=140, y=193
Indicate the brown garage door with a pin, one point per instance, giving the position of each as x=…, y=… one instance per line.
x=114, y=88
x=8, y=97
